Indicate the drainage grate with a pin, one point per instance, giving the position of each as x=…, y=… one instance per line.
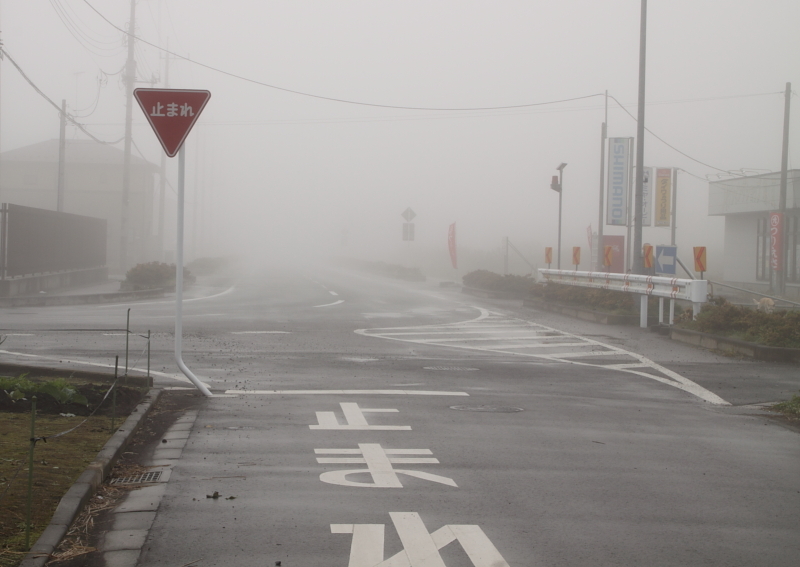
x=151, y=476
x=488, y=408
x=451, y=368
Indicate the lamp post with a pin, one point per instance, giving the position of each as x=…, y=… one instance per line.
x=556, y=185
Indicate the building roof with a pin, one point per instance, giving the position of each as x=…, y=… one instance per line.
x=77, y=151
x=753, y=193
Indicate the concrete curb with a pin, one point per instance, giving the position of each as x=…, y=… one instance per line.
x=78, y=495
x=735, y=346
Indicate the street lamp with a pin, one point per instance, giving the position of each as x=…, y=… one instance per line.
x=556, y=185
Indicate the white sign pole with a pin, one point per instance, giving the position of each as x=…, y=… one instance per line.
x=179, y=280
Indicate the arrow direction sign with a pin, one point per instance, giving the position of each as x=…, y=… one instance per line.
x=409, y=215
x=665, y=260
x=171, y=113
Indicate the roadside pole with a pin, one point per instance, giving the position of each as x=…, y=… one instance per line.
x=179, y=280
x=172, y=113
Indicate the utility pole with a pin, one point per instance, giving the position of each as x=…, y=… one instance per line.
x=638, y=264
x=601, y=217
x=130, y=79
x=62, y=157
x=782, y=201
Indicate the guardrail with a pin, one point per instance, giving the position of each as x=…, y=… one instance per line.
x=695, y=291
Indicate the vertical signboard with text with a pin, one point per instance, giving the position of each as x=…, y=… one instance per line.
x=776, y=241
x=663, y=196
x=647, y=196
x=619, y=170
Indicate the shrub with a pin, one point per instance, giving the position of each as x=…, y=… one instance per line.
x=154, y=275
x=490, y=281
x=720, y=317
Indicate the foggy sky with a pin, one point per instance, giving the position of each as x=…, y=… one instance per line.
x=290, y=172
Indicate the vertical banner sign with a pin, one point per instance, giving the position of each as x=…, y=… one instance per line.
x=663, y=196
x=619, y=158
x=647, y=196
x=451, y=245
x=548, y=255
x=776, y=241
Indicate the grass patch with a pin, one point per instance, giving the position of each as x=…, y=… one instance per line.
x=57, y=465
x=61, y=405
x=789, y=408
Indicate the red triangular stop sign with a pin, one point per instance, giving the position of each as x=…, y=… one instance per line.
x=171, y=113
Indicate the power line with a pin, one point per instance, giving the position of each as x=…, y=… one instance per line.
x=332, y=99
x=54, y=105
x=663, y=141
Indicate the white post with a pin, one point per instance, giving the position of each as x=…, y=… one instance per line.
x=671, y=312
x=179, y=280
x=643, y=312
x=696, y=309
x=661, y=311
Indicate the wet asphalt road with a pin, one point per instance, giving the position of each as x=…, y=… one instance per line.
x=485, y=453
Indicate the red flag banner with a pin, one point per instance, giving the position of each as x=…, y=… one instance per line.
x=451, y=245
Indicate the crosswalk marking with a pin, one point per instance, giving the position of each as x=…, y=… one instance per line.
x=498, y=333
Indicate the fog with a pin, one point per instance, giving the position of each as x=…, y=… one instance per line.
x=275, y=173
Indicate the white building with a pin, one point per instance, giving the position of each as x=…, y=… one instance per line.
x=746, y=203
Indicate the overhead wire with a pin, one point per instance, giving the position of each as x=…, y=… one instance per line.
x=98, y=47
x=663, y=141
x=328, y=98
x=53, y=104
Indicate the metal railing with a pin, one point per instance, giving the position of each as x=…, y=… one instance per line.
x=695, y=291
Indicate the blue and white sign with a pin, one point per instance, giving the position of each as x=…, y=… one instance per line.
x=619, y=168
x=666, y=264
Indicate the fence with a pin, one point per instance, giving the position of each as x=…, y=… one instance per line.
x=695, y=291
x=37, y=241
x=64, y=394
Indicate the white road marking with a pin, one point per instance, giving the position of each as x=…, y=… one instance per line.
x=354, y=419
x=379, y=463
x=19, y=334
x=332, y=292
x=172, y=301
x=343, y=392
x=179, y=377
x=420, y=548
x=329, y=304
x=523, y=338
x=260, y=332
x=114, y=334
